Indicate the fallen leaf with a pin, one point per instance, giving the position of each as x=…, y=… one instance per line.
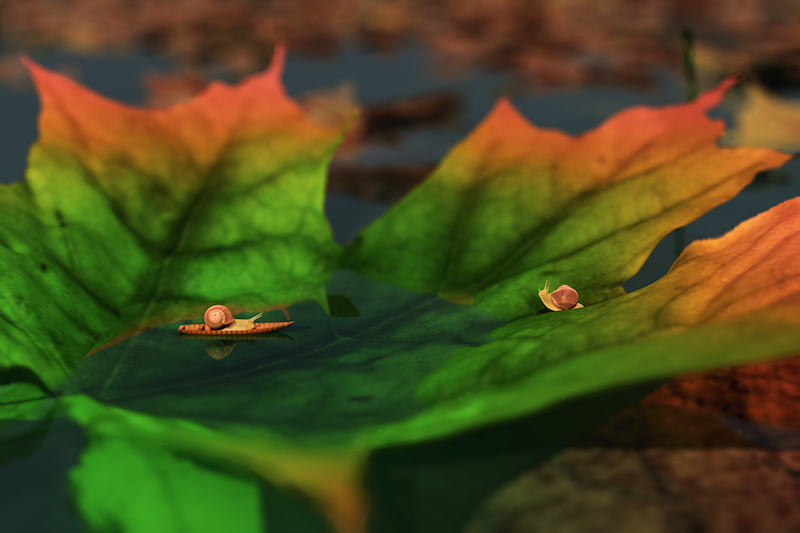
x=725, y=301
x=131, y=215
x=514, y=205
x=652, y=490
x=767, y=392
x=764, y=119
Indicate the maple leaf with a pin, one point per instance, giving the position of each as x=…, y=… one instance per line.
x=135, y=218
x=514, y=205
x=707, y=312
x=132, y=216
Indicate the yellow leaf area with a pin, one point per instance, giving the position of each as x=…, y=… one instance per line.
x=514, y=205
x=764, y=119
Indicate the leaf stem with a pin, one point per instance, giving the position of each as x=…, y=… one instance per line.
x=692, y=90
x=689, y=73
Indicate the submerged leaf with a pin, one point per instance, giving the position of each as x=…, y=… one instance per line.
x=515, y=205
x=331, y=477
x=130, y=215
x=139, y=488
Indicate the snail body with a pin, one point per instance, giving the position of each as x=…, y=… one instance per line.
x=561, y=299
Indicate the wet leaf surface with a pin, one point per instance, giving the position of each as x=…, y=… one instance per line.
x=160, y=492
x=332, y=381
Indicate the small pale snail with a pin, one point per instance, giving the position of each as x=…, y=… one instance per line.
x=218, y=320
x=564, y=297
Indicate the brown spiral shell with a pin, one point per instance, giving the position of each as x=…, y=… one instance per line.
x=218, y=316
x=564, y=297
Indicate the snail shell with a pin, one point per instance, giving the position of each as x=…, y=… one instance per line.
x=564, y=297
x=218, y=316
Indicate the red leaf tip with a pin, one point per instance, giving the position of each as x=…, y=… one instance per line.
x=711, y=98
x=278, y=60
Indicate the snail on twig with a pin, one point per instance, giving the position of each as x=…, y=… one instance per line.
x=218, y=320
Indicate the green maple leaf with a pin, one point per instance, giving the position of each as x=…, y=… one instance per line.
x=514, y=205
x=131, y=219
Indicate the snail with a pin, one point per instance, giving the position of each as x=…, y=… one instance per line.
x=564, y=297
x=218, y=320
x=218, y=317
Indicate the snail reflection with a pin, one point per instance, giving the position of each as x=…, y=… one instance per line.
x=219, y=349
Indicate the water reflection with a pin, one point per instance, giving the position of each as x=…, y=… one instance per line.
x=222, y=346
x=219, y=349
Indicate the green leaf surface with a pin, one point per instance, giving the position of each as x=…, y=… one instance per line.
x=514, y=205
x=339, y=377
x=426, y=488
x=331, y=477
x=133, y=487
x=130, y=218
x=704, y=313
x=725, y=301
x=326, y=391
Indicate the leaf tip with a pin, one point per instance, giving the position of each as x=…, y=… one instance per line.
x=278, y=60
x=35, y=70
x=503, y=107
x=713, y=97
